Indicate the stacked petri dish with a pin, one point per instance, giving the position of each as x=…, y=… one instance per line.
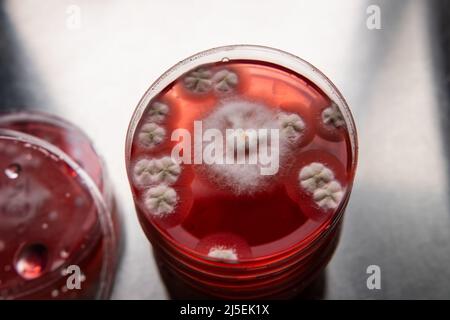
x=59, y=225
x=241, y=161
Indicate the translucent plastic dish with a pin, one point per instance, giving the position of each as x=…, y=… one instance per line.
x=58, y=228
x=213, y=223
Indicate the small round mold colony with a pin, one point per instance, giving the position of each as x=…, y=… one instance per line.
x=319, y=181
x=330, y=123
x=151, y=135
x=315, y=176
x=225, y=81
x=198, y=81
x=157, y=112
x=160, y=200
x=291, y=126
x=224, y=247
x=156, y=171
x=329, y=196
x=223, y=253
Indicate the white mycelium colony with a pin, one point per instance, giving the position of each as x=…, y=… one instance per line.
x=151, y=135
x=223, y=253
x=160, y=200
x=333, y=116
x=291, y=126
x=156, y=174
x=248, y=117
x=156, y=171
x=225, y=81
x=319, y=181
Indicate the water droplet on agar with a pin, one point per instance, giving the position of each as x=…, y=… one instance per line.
x=13, y=171
x=64, y=254
x=31, y=261
x=79, y=202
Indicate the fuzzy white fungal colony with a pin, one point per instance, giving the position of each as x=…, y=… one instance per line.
x=156, y=171
x=248, y=116
x=315, y=176
x=291, y=125
x=166, y=170
x=333, y=116
x=243, y=141
x=157, y=112
x=223, y=253
x=319, y=180
x=329, y=196
x=160, y=200
x=198, y=81
x=225, y=81
x=151, y=135
x=142, y=174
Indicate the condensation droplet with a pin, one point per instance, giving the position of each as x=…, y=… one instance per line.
x=53, y=215
x=31, y=261
x=79, y=202
x=44, y=226
x=13, y=171
x=55, y=293
x=2, y=245
x=64, y=254
x=225, y=59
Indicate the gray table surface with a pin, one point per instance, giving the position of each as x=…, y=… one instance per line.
x=95, y=71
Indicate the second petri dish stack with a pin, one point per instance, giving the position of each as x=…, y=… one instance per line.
x=59, y=227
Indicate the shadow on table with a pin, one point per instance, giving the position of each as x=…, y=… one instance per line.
x=19, y=85
x=366, y=66
x=440, y=44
